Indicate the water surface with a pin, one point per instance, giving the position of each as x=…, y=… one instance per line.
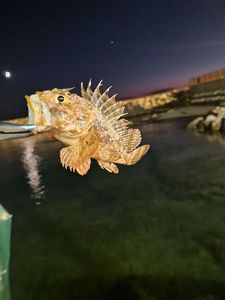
x=155, y=230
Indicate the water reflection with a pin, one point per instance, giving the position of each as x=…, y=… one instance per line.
x=212, y=137
x=31, y=164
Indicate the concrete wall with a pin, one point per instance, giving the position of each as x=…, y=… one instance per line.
x=208, y=77
x=208, y=86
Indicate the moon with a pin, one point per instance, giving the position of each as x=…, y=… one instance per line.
x=7, y=74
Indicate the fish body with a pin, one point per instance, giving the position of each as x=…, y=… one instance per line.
x=91, y=126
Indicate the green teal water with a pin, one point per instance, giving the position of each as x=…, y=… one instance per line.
x=155, y=231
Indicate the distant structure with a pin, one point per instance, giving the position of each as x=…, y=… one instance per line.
x=210, y=81
x=144, y=105
x=209, y=87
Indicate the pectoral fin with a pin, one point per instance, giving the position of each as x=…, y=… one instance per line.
x=76, y=160
x=84, y=167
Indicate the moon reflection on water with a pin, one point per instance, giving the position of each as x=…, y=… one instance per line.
x=31, y=164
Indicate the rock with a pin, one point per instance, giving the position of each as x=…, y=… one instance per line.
x=215, y=121
x=209, y=120
x=197, y=124
x=154, y=116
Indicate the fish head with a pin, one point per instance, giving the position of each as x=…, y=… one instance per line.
x=59, y=109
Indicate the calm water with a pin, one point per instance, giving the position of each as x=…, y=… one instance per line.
x=155, y=230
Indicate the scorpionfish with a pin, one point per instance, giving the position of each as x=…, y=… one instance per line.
x=91, y=126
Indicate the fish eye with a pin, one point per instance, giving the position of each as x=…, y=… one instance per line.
x=60, y=98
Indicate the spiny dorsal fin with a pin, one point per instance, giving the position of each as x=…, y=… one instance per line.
x=84, y=93
x=97, y=92
x=109, y=107
x=103, y=98
x=121, y=124
x=89, y=90
x=130, y=139
x=108, y=103
x=112, y=111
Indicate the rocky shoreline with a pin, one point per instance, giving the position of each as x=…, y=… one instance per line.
x=214, y=121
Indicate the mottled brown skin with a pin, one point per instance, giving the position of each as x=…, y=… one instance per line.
x=90, y=126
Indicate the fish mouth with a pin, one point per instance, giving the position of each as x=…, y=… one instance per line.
x=34, y=107
x=38, y=113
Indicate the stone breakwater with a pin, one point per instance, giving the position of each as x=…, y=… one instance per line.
x=144, y=105
x=212, y=122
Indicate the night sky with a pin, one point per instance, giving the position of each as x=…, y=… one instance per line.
x=135, y=46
